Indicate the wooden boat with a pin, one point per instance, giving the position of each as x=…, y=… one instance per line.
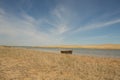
x=66, y=52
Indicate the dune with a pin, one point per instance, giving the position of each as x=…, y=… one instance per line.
x=25, y=64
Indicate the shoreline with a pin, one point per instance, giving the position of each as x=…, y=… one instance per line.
x=101, y=46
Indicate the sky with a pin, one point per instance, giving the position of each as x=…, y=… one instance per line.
x=59, y=22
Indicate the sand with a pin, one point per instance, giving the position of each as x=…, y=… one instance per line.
x=24, y=64
x=102, y=46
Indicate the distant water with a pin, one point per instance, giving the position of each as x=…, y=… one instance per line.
x=80, y=51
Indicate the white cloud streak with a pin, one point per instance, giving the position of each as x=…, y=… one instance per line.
x=61, y=21
x=23, y=31
x=97, y=25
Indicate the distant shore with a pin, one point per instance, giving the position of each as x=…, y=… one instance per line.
x=26, y=64
x=102, y=46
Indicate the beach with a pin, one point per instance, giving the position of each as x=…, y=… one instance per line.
x=26, y=64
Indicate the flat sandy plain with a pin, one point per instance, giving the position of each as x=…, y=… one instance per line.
x=24, y=64
x=101, y=46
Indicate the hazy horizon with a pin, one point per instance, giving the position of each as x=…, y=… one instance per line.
x=59, y=22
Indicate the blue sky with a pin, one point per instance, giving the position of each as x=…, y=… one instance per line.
x=59, y=22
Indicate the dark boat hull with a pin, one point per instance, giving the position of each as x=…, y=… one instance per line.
x=66, y=52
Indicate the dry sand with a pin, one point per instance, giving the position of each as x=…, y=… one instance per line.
x=23, y=64
x=102, y=46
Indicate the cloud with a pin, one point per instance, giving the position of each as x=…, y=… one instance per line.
x=60, y=21
x=97, y=25
x=15, y=30
x=2, y=11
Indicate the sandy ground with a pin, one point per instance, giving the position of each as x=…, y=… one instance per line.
x=102, y=46
x=23, y=64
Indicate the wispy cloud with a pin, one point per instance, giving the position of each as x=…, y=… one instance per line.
x=97, y=25
x=2, y=11
x=60, y=20
x=23, y=30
